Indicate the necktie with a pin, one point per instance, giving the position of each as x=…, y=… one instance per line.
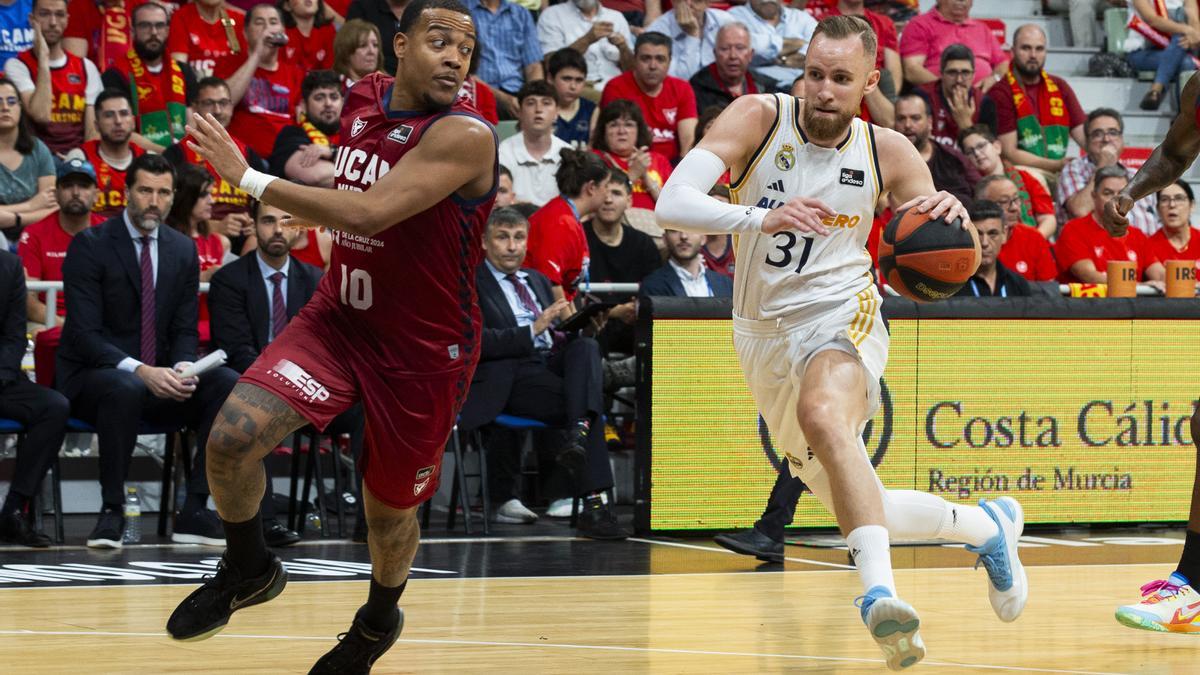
x=278, y=306
x=149, y=351
x=523, y=295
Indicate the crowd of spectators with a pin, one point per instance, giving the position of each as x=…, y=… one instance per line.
x=606, y=96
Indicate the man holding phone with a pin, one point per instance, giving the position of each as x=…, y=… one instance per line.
x=600, y=34
x=528, y=369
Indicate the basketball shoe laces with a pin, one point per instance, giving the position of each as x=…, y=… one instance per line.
x=996, y=565
x=1160, y=589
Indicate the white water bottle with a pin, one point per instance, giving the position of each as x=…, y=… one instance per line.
x=133, y=517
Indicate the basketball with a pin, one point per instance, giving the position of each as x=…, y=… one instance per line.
x=927, y=259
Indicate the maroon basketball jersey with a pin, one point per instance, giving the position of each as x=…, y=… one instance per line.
x=407, y=294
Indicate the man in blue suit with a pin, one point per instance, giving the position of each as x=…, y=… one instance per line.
x=685, y=275
x=131, y=287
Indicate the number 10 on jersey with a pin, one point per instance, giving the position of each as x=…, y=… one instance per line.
x=356, y=288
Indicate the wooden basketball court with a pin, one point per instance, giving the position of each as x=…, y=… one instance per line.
x=558, y=605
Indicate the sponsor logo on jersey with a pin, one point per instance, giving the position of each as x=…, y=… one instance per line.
x=310, y=389
x=74, y=78
x=422, y=480
x=400, y=134
x=453, y=351
x=357, y=127
x=776, y=186
x=356, y=165
x=785, y=159
x=854, y=177
x=670, y=114
x=839, y=220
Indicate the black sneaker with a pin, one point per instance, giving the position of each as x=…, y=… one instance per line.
x=199, y=527
x=276, y=534
x=752, y=542
x=573, y=456
x=16, y=529
x=206, y=611
x=358, y=648
x=108, y=530
x=600, y=523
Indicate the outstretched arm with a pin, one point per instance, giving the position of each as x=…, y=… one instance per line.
x=456, y=155
x=1166, y=164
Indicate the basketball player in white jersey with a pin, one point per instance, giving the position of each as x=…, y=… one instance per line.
x=807, y=329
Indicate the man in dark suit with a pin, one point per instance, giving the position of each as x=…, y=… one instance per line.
x=130, y=332
x=685, y=275
x=525, y=371
x=250, y=302
x=43, y=412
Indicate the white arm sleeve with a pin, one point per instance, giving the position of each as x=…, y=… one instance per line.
x=684, y=203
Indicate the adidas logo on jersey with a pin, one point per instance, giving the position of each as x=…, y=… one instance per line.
x=854, y=177
x=777, y=186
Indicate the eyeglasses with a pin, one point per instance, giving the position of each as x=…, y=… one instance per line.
x=1099, y=134
x=1177, y=199
x=978, y=148
x=1014, y=200
x=10, y=101
x=959, y=74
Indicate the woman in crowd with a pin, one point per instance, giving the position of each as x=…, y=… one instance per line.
x=310, y=33
x=475, y=92
x=1177, y=240
x=190, y=213
x=1164, y=39
x=622, y=139
x=356, y=52
x=26, y=168
x=557, y=244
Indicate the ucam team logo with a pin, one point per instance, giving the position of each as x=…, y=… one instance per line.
x=310, y=389
x=357, y=127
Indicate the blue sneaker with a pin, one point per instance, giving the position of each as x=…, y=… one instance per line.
x=1009, y=587
x=893, y=623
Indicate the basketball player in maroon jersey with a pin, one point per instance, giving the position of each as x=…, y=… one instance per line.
x=394, y=324
x=1170, y=605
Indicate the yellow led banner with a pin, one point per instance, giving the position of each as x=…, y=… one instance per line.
x=1082, y=420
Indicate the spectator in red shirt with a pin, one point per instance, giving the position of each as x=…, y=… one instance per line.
x=160, y=86
x=112, y=153
x=310, y=33
x=980, y=146
x=1025, y=250
x=304, y=153
x=557, y=244
x=622, y=140
x=926, y=36
x=203, y=31
x=957, y=105
x=264, y=87
x=102, y=30
x=356, y=52
x=44, y=244
x=57, y=88
x=1177, y=240
x=668, y=103
x=1037, y=114
x=1084, y=247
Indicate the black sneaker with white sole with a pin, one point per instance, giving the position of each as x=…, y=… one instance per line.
x=108, y=531
x=358, y=648
x=206, y=611
x=199, y=527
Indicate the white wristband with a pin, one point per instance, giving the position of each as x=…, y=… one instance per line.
x=254, y=183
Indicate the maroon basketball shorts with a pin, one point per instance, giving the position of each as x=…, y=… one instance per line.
x=320, y=372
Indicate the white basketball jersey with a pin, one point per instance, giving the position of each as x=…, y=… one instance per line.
x=778, y=274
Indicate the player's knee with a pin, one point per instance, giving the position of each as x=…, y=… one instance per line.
x=819, y=419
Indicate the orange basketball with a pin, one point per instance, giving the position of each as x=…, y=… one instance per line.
x=927, y=259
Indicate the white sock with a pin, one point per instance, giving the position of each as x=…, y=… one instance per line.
x=919, y=515
x=872, y=556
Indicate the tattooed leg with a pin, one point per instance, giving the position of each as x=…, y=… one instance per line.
x=250, y=425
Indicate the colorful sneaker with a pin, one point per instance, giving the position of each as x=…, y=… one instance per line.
x=1009, y=587
x=1170, y=606
x=893, y=623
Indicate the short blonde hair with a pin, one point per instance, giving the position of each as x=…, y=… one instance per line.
x=841, y=27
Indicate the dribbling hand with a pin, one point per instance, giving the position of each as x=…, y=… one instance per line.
x=939, y=205
x=210, y=140
x=1114, y=217
x=802, y=214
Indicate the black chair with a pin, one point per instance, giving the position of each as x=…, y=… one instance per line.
x=15, y=428
x=298, y=505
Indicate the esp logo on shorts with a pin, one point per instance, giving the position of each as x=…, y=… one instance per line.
x=310, y=389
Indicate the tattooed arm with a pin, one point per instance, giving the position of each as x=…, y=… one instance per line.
x=1166, y=164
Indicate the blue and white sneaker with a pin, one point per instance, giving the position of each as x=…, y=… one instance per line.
x=1009, y=587
x=894, y=624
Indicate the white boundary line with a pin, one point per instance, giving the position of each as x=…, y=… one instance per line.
x=712, y=549
x=547, y=645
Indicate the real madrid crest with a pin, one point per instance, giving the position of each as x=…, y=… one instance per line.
x=785, y=159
